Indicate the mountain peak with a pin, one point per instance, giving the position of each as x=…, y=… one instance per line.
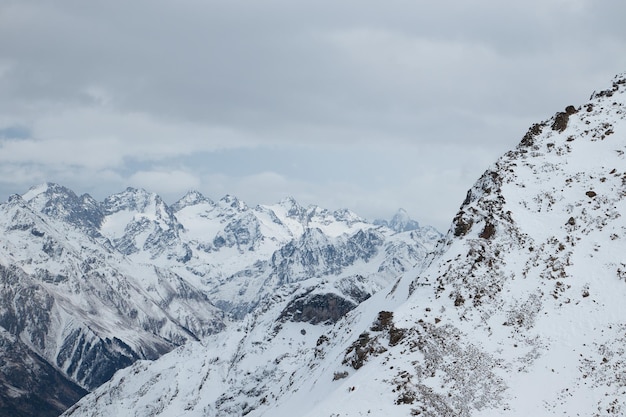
x=62, y=203
x=288, y=201
x=15, y=199
x=36, y=190
x=191, y=198
x=48, y=189
x=400, y=222
x=347, y=216
x=233, y=202
x=131, y=199
x=291, y=205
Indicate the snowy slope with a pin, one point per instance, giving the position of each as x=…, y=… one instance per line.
x=520, y=312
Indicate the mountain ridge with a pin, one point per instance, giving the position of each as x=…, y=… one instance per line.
x=91, y=287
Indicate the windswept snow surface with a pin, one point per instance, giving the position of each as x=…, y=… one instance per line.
x=519, y=313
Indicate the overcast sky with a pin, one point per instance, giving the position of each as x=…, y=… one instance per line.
x=368, y=105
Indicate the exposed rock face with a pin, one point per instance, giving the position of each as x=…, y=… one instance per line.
x=317, y=308
x=29, y=386
x=317, y=254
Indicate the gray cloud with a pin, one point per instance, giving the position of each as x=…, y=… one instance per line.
x=378, y=101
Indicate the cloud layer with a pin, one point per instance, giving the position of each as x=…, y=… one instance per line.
x=361, y=104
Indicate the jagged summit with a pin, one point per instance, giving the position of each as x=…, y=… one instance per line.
x=191, y=198
x=294, y=209
x=48, y=194
x=289, y=202
x=62, y=203
x=40, y=189
x=348, y=216
x=136, y=199
x=233, y=202
x=400, y=222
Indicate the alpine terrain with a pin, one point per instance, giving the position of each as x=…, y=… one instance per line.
x=519, y=312
x=90, y=287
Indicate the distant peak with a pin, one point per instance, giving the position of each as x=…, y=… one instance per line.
x=229, y=198
x=50, y=194
x=132, y=199
x=347, y=216
x=45, y=188
x=194, y=195
x=401, y=216
x=35, y=190
x=130, y=193
x=400, y=222
x=233, y=202
x=192, y=198
x=135, y=191
x=289, y=200
x=291, y=205
x=15, y=198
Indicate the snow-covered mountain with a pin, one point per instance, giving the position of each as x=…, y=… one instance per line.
x=90, y=287
x=400, y=222
x=520, y=312
x=241, y=254
x=79, y=303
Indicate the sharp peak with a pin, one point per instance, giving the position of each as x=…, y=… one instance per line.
x=191, y=198
x=136, y=192
x=288, y=199
x=345, y=211
x=229, y=198
x=290, y=203
x=45, y=187
x=193, y=192
x=401, y=214
x=137, y=198
x=233, y=201
x=52, y=190
x=16, y=200
x=195, y=196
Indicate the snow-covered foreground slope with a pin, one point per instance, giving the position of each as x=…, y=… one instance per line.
x=520, y=313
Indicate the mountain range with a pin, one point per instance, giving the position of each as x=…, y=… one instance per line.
x=518, y=311
x=89, y=287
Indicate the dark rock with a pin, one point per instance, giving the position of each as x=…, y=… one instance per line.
x=488, y=231
x=316, y=308
x=29, y=386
